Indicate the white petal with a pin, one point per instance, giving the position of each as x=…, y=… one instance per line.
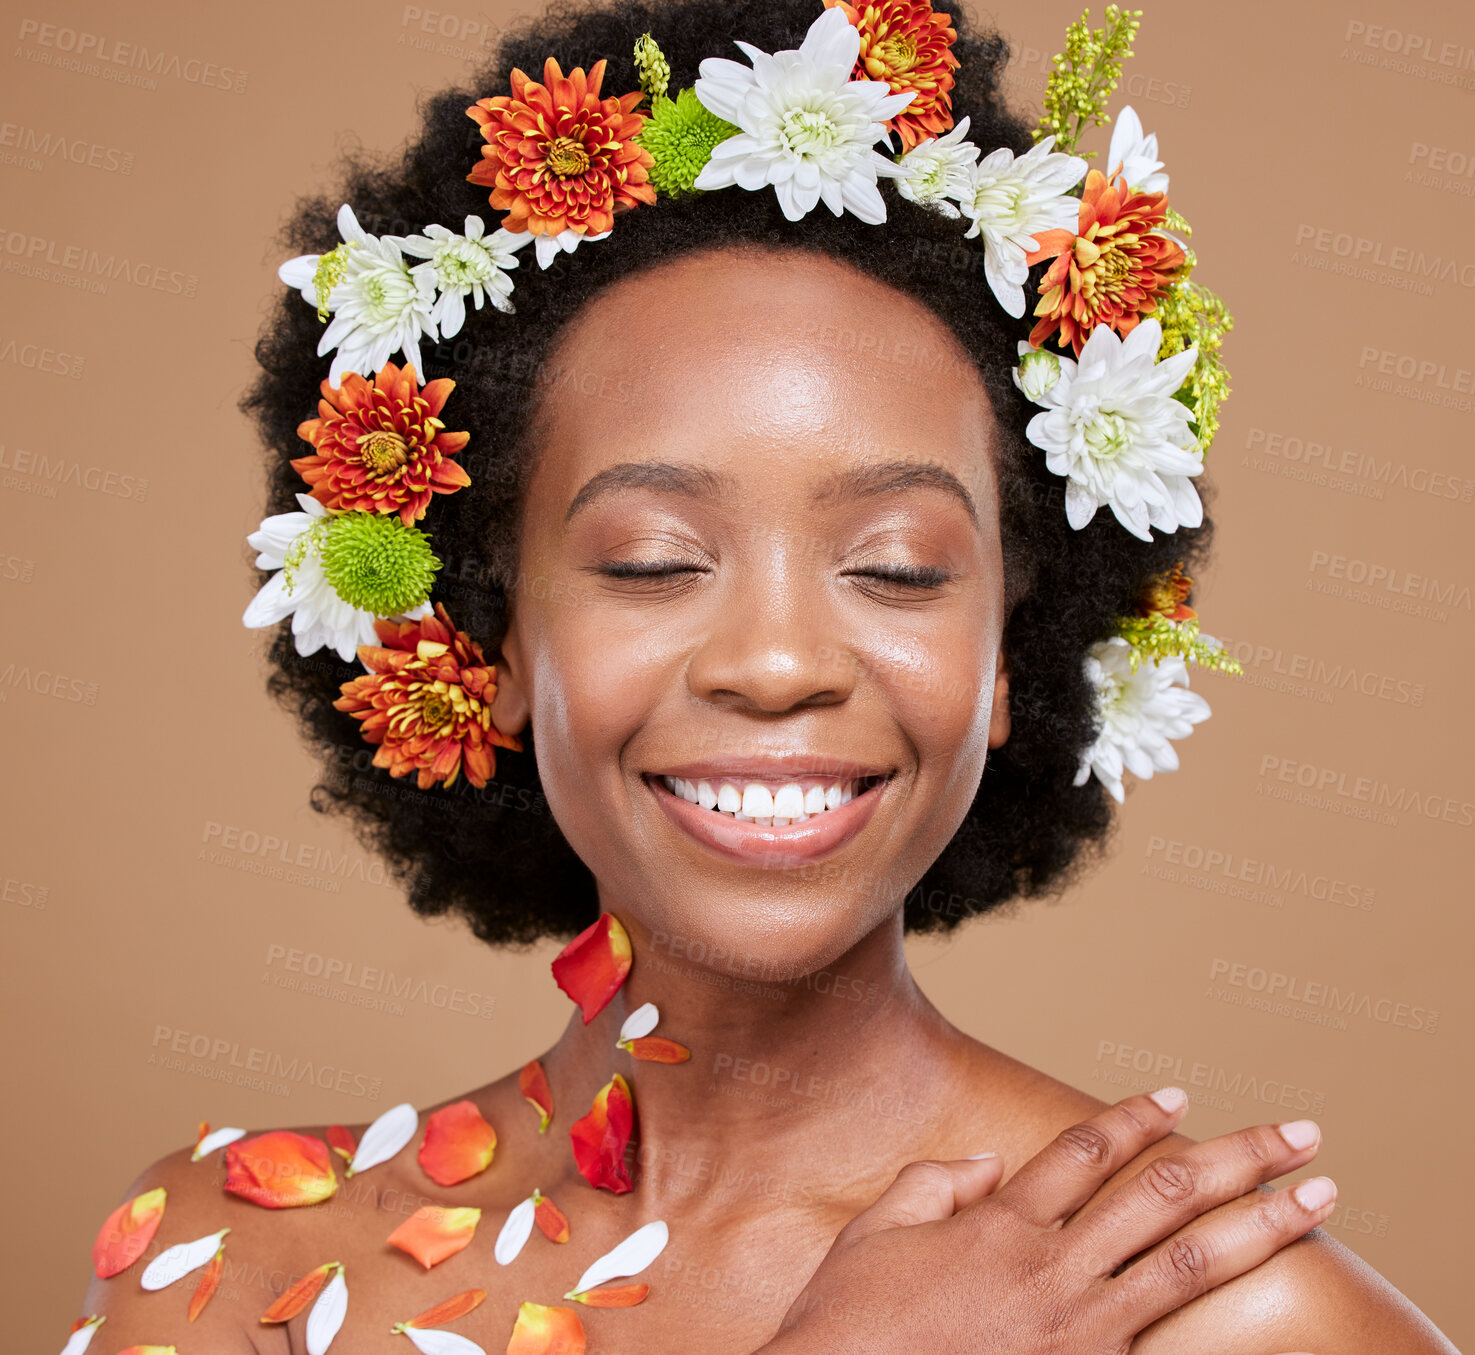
x=298, y=272
x=177, y=1261
x=348, y=225
x=271, y=603
x=452, y=314
x=80, y=1339
x=640, y=1022
x=432, y=1341
x=327, y=1315
x=515, y=1232
x=633, y=1254
x=386, y=1136
x=217, y=1138
x=1080, y=503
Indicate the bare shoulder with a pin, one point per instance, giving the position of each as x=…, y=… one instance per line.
x=195, y=1205
x=1313, y=1295
x=267, y=1249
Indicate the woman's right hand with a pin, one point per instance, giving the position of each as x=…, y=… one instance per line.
x=944, y=1262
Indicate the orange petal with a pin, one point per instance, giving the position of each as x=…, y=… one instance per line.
x=127, y=1231
x=601, y=1137
x=546, y=1331
x=280, y=1169
x=448, y=1310
x=209, y=1283
x=655, y=1049
x=532, y=1082
x=1050, y=244
x=458, y=1144
x=434, y=1232
x=619, y=1296
x=158, y=1350
x=341, y=1141
x=591, y=968
x=298, y=1295
x=550, y=1218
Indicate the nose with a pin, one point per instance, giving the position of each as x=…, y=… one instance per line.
x=774, y=645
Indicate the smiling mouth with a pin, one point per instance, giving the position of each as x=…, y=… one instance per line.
x=771, y=803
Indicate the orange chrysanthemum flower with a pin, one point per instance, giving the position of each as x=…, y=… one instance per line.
x=908, y=45
x=558, y=157
x=381, y=448
x=427, y=702
x=1115, y=269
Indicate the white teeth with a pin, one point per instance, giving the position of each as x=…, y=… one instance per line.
x=789, y=802
x=757, y=801
x=754, y=802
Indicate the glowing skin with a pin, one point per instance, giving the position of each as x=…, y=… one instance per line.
x=774, y=953
x=775, y=641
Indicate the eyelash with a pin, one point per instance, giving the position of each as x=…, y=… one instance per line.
x=903, y=576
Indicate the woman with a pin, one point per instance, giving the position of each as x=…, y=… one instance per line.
x=786, y=626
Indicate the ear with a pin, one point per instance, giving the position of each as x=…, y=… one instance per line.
x=510, y=707
x=998, y=724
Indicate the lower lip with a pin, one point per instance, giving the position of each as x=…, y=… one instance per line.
x=757, y=844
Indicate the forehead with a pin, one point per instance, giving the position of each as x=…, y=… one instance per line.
x=763, y=352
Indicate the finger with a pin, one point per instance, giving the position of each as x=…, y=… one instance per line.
x=1063, y=1175
x=1174, y=1189
x=1215, y=1250
x=924, y=1192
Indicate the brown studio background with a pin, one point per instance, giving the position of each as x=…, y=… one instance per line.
x=141, y=747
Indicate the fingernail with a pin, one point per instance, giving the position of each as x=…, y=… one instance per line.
x=1170, y=1098
x=1314, y=1194
x=978, y=1157
x=1299, y=1133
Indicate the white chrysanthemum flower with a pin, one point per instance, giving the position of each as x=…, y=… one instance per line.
x=1133, y=155
x=1009, y=201
x=937, y=169
x=471, y=265
x=1110, y=425
x=807, y=127
x=379, y=306
x=319, y=616
x=1139, y=712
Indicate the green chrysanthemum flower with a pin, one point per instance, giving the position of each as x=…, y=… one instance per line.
x=680, y=134
x=376, y=563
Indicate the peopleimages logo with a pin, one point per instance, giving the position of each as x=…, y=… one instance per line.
x=1323, y=783
x=130, y=63
x=1362, y=249
x=1320, y=993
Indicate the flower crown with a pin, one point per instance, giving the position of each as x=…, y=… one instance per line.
x=1129, y=394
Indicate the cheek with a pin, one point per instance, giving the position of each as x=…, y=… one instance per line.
x=941, y=691
x=595, y=686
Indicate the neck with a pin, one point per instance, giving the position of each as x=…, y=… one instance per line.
x=852, y=1056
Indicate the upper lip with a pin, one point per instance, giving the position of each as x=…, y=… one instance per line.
x=790, y=766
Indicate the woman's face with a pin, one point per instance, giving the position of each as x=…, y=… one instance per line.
x=738, y=448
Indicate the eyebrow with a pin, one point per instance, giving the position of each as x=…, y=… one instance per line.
x=683, y=477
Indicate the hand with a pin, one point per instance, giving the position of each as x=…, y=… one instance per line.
x=945, y=1262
